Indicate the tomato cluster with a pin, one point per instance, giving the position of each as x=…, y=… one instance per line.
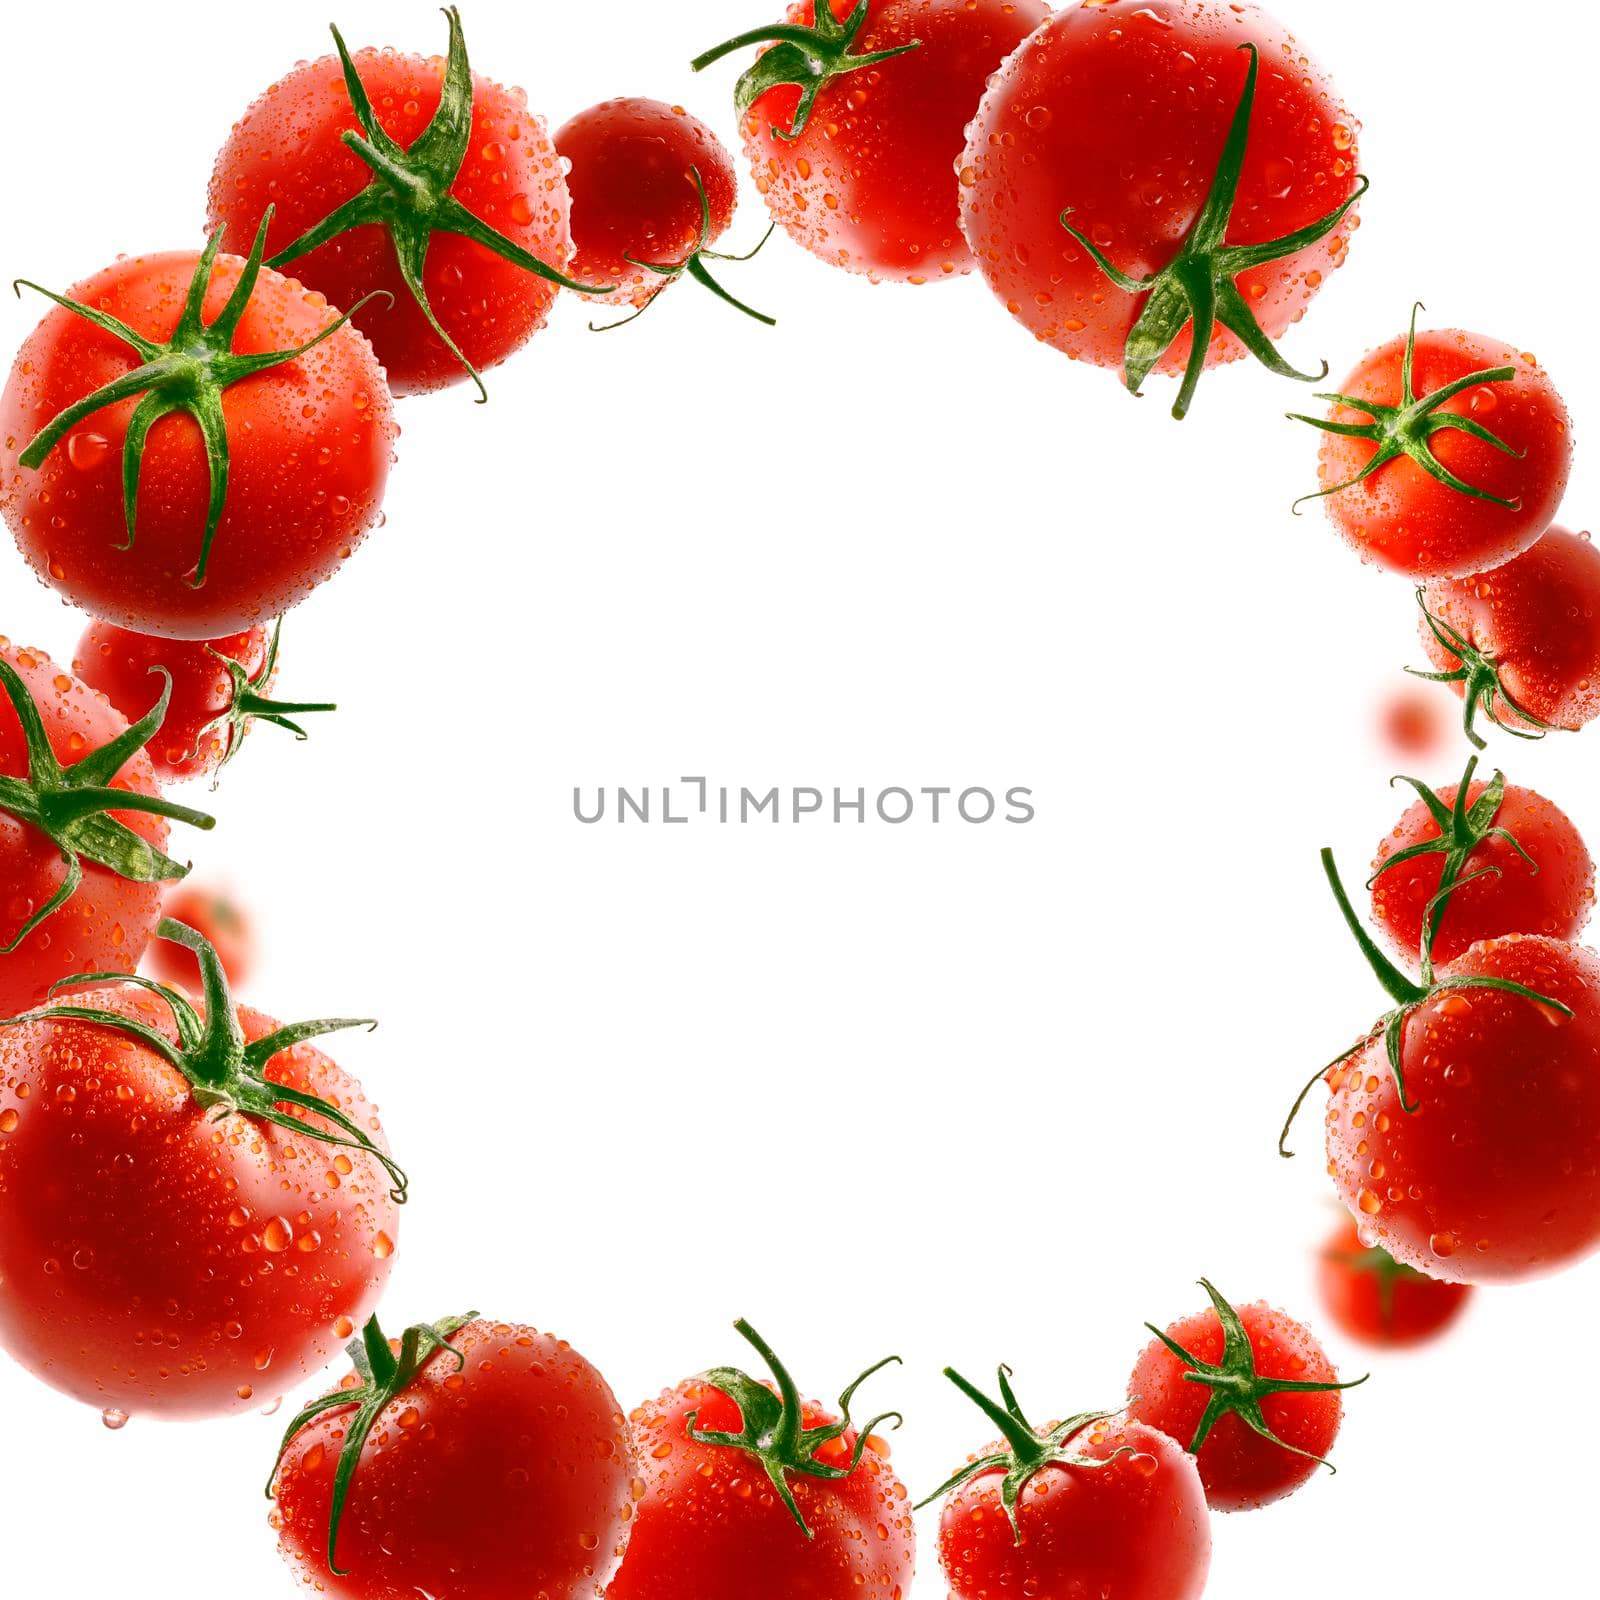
x=200, y=1206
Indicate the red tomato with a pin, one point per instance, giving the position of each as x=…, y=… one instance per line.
x=304, y=442
x=1093, y=1506
x=1412, y=723
x=490, y=1462
x=750, y=1491
x=220, y=690
x=853, y=124
x=221, y=921
x=1252, y=1391
x=1377, y=1301
x=1192, y=195
x=1479, y=1160
x=1516, y=862
x=1446, y=454
x=652, y=189
x=194, y=1207
x=1521, y=644
x=50, y=927
x=409, y=174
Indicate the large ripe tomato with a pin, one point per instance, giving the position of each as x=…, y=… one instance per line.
x=220, y=690
x=1093, y=1506
x=49, y=928
x=750, y=1491
x=652, y=190
x=1127, y=116
x=1521, y=644
x=409, y=174
x=1377, y=1301
x=1252, y=1394
x=490, y=1462
x=262, y=471
x=195, y=1209
x=218, y=917
x=853, y=123
x=1445, y=454
x=1479, y=1161
x=1516, y=863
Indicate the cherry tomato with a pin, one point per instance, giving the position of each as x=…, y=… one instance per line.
x=652, y=190
x=1377, y=1301
x=219, y=918
x=1521, y=644
x=1092, y=1506
x=1444, y=454
x=1479, y=1162
x=457, y=206
x=51, y=928
x=194, y=1207
x=750, y=1491
x=490, y=1462
x=1129, y=179
x=1250, y=1391
x=853, y=134
x=263, y=470
x=220, y=689
x=1516, y=863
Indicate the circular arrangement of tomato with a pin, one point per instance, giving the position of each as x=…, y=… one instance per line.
x=499, y=1470
x=1536, y=623
x=1377, y=1301
x=868, y=183
x=288, y=150
x=1119, y=114
x=309, y=442
x=1494, y=456
x=1541, y=883
x=224, y=923
x=1495, y=1176
x=163, y=1255
x=107, y=923
x=1242, y=1468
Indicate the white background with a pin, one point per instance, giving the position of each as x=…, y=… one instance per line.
x=968, y=1094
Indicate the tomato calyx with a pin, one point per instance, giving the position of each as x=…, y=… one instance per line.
x=384, y=1376
x=72, y=806
x=774, y=1430
x=227, y=1075
x=1407, y=994
x=409, y=195
x=1376, y=1262
x=1030, y=1450
x=1236, y=1387
x=1462, y=828
x=1483, y=689
x=188, y=373
x=809, y=57
x=695, y=265
x=1408, y=429
x=1197, y=286
x=250, y=703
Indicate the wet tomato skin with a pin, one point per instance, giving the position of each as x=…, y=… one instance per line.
x=1242, y=1471
x=1137, y=1528
x=106, y=925
x=870, y=185
x=503, y=1479
x=158, y=1261
x=1120, y=111
x=286, y=151
x=633, y=193
x=1496, y=1178
x=310, y=445
x=1539, y=617
x=1381, y=1305
x=709, y=1528
x=1406, y=521
x=1554, y=896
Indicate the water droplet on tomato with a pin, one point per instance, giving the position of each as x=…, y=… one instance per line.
x=86, y=449
x=114, y=1419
